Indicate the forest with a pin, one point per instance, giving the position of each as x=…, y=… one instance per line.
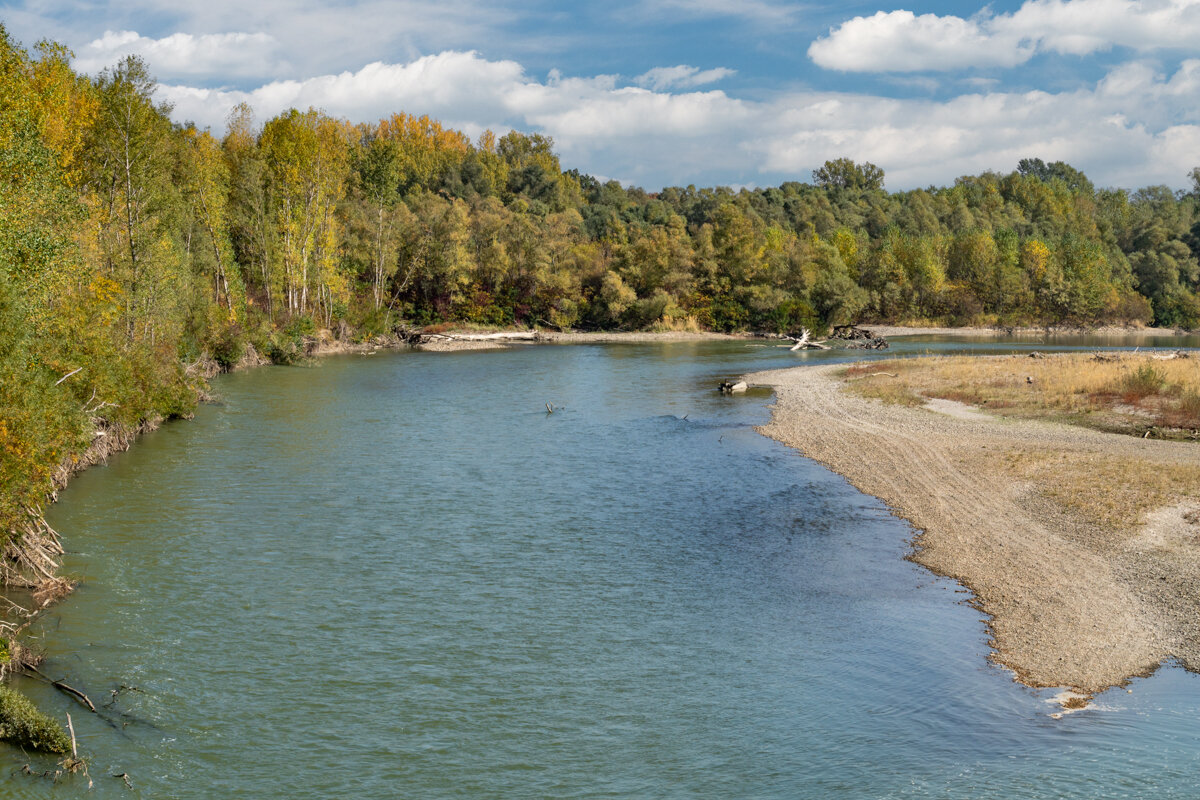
x=133, y=247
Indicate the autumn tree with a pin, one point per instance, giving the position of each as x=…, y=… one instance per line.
x=843, y=173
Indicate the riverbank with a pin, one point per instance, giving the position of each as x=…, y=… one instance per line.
x=451, y=344
x=974, y=332
x=1072, y=602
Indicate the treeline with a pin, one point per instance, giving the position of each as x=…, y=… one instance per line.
x=131, y=246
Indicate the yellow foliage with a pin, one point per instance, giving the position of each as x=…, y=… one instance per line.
x=1035, y=257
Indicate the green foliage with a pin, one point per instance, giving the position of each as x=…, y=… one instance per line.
x=843, y=173
x=22, y=725
x=226, y=342
x=1145, y=381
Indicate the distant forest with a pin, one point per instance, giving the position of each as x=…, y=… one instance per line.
x=131, y=246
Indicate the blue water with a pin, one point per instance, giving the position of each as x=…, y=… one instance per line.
x=398, y=576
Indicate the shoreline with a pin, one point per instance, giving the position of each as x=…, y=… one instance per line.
x=888, y=331
x=1070, y=604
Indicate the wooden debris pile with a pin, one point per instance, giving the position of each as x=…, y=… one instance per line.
x=858, y=338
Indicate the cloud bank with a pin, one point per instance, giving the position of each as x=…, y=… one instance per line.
x=183, y=54
x=901, y=41
x=1133, y=128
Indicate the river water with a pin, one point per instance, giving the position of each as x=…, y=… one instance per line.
x=399, y=576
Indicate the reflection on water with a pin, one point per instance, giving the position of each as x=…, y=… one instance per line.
x=398, y=576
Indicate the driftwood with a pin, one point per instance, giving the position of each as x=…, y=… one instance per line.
x=732, y=387
x=805, y=342
x=857, y=338
x=1172, y=356
x=420, y=337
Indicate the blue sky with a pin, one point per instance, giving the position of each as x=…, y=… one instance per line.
x=672, y=92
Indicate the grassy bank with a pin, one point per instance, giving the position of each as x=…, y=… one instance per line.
x=1140, y=394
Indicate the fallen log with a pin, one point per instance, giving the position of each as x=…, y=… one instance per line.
x=732, y=387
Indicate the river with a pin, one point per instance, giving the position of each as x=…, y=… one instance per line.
x=399, y=576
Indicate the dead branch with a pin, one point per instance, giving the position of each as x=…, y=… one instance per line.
x=92, y=411
x=64, y=377
x=62, y=687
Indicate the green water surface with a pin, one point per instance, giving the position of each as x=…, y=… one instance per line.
x=398, y=576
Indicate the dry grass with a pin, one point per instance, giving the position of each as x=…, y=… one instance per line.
x=688, y=324
x=1114, y=494
x=1124, y=393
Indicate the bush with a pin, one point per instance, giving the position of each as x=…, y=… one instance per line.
x=1189, y=407
x=226, y=342
x=24, y=726
x=1145, y=381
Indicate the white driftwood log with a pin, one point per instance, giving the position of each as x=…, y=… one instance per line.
x=805, y=342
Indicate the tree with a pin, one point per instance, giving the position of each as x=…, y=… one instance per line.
x=131, y=157
x=307, y=159
x=251, y=231
x=378, y=165
x=206, y=179
x=843, y=173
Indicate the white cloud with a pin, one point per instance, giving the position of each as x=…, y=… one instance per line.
x=681, y=77
x=186, y=55
x=316, y=37
x=1133, y=128
x=900, y=41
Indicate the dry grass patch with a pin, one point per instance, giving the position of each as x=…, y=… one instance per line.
x=1114, y=494
x=1124, y=393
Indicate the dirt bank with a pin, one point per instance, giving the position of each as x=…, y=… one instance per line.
x=1071, y=603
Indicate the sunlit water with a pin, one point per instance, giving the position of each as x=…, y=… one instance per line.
x=398, y=576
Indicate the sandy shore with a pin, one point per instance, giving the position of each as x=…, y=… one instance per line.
x=1070, y=604
x=1107, y=330
x=617, y=337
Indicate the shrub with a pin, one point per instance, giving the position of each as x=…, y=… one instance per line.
x=1189, y=409
x=226, y=342
x=23, y=725
x=1145, y=381
x=283, y=349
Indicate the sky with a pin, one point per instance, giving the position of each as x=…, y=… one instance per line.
x=707, y=92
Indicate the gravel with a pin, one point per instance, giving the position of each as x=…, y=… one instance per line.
x=1070, y=604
